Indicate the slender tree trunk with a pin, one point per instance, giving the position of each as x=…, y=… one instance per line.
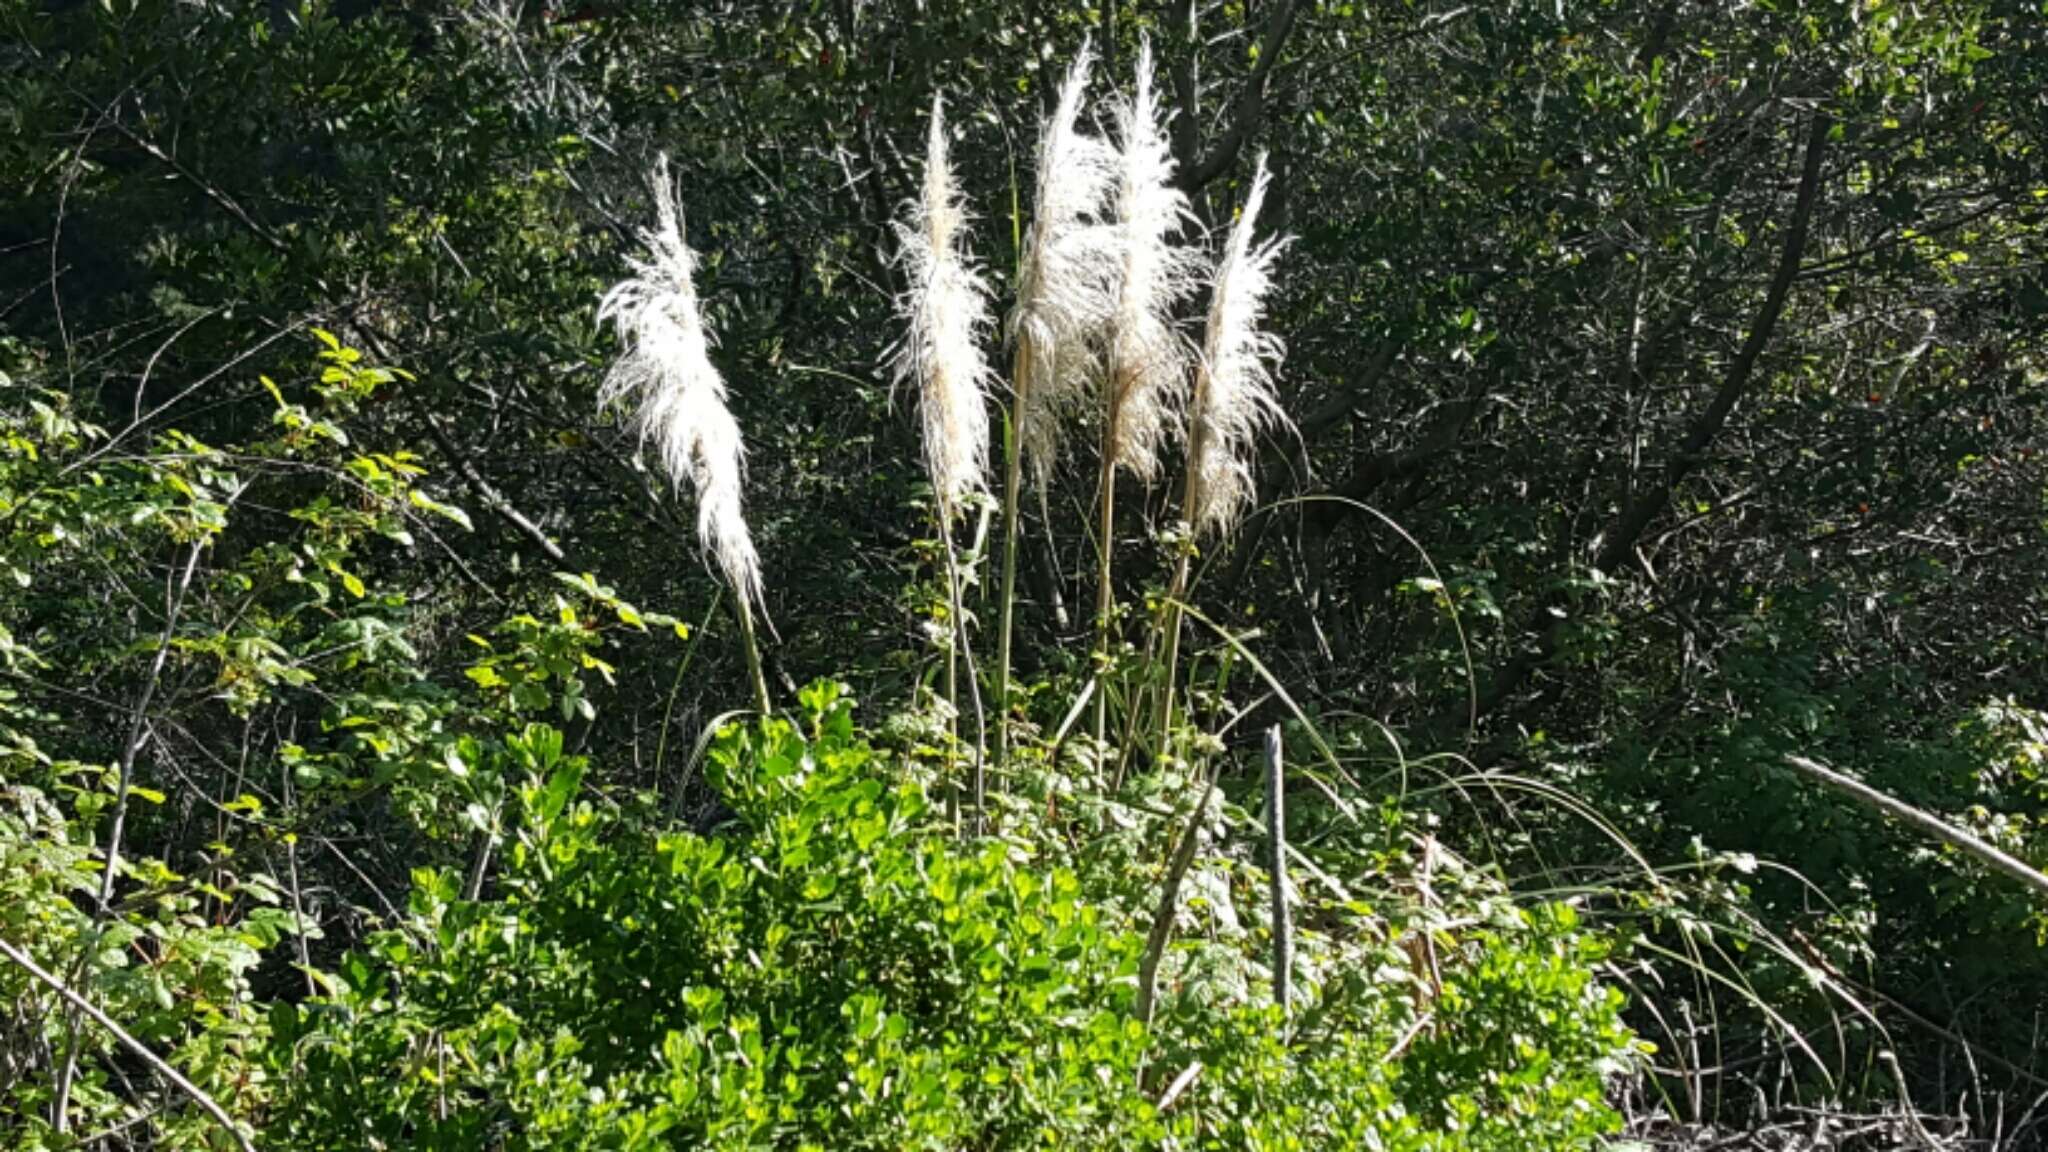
x=1690, y=452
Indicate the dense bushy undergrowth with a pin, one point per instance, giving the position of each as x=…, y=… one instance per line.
x=831, y=966
x=819, y=958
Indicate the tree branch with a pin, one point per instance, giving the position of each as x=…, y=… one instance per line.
x=1186, y=86
x=1250, y=106
x=163, y=1068
x=1619, y=546
x=1339, y=408
x=1169, y=904
x=138, y=729
x=1692, y=449
x=1924, y=822
x=489, y=494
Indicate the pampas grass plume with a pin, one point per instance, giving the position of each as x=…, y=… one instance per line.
x=945, y=308
x=673, y=395
x=1066, y=288
x=1234, y=398
x=1148, y=357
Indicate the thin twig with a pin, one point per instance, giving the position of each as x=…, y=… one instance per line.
x=138, y=731
x=473, y=888
x=118, y=438
x=486, y=491
x=1169, y=903
x=138, y=724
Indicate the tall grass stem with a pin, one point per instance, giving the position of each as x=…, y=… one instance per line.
x=750, y=646
x=1013, y=495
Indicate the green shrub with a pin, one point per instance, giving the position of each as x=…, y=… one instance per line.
x=834, y=968
x=168, y=962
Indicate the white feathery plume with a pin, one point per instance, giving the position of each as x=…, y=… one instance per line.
x=1148, y=357
x=1066, y=288
x=946, y=310
x=1234, y=398
x=675, y=396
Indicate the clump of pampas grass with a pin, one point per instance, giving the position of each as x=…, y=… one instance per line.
x=674, y=397
x=1066, y=291
x=945, y=312
x=1233, y=403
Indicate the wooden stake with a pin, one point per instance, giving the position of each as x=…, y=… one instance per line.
x=1276, y=832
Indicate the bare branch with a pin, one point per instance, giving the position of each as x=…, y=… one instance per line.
x=1169, y=904
x=163, y=1068
x=1249, y=108
x=1924, y=822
